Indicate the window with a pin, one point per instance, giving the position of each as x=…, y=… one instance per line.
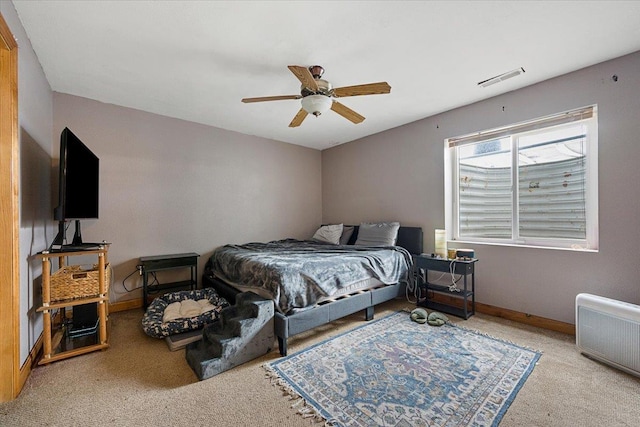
x=533, y=183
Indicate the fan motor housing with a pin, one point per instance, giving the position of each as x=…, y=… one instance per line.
x=324, y=88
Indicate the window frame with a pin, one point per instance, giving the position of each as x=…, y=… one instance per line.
x=588, y=117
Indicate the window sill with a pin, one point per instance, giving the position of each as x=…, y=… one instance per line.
x=461, y=243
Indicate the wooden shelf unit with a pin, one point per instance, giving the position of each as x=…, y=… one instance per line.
x=53, y=348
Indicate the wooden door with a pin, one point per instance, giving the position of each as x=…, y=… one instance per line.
x=10, y=383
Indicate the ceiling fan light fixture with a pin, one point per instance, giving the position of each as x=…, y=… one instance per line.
x=318, y=95
x=316, y=104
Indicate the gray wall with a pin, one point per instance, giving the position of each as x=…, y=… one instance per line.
x=171, y=186
x=399, y=175
x=35, y=117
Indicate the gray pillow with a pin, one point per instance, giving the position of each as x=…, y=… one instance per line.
x=378, y=234
x=347, y=231
x=329, y=234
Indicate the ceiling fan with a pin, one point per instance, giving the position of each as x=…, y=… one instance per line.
x=318, y=95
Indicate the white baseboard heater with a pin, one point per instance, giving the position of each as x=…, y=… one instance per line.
x=609, y=331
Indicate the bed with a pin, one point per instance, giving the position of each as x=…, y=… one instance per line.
x=329, y=280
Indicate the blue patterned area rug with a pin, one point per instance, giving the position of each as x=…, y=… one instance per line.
x=395, y=372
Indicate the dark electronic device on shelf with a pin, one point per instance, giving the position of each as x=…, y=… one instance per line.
x=84, y=320
x=78, y=189
x=465, y=253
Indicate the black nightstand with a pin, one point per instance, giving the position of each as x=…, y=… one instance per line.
x=464, y=267
x=153, y=264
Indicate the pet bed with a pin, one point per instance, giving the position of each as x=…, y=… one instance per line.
x=154, y=326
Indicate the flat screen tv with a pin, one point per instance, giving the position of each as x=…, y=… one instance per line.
x=78, y=189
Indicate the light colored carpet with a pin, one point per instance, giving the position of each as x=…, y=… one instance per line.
x=138, y=381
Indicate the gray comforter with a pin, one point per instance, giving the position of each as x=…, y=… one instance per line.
x=296, y=274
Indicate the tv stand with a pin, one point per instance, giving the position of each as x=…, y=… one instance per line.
x=77, y=236
x=77, y=244
x=73, y=288
x=58, y=241
x=81, y=247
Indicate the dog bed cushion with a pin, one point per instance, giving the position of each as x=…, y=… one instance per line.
x=154, y=326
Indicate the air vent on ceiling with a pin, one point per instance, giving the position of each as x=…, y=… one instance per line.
x=501, y=77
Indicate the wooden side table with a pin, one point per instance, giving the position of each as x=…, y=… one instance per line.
x=57, y=344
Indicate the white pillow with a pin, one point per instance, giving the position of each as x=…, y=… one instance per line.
x=329, y=234
x=378, y=234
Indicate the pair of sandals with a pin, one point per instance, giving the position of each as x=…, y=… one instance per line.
x=420, y=315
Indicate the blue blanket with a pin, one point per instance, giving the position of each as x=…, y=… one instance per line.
x=297, y=273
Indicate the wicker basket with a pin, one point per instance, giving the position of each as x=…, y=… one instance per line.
x=73, y=282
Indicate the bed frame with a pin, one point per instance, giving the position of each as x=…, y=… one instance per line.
x=285, y=326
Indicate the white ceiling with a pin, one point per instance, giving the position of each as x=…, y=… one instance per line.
x=195, y=60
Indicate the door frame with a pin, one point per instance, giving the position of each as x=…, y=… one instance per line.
x=10, y=385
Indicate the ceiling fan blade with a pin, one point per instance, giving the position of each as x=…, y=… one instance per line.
x=347, y=112
x=297, y=120
x=304, y=75
x=366, y=89
x=271, y=98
